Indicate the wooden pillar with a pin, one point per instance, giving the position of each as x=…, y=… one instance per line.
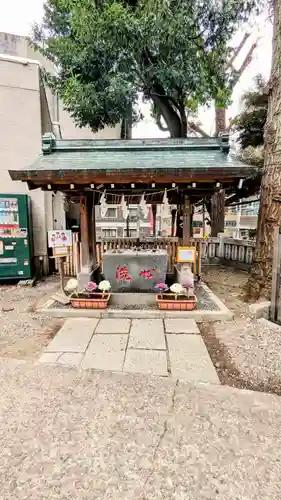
x=90, y=207
x=186, y=219
x=94, y=233
x=179, y=229
x=87, y=226
x=203, y=219
x=217, y=213
x=174, y=213
x=85, y=254
x=154, y=213
x=191, y=220
x=128, y=226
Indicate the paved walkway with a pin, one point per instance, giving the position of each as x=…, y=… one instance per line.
x=172, y=347
x=85, y=435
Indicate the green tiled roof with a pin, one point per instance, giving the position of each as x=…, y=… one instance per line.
x=175, y=156
x=135, y=159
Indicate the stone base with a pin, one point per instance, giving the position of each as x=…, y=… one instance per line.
x=260, y=309
x=133, y=271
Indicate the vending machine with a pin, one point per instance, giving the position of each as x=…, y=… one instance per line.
x=16, y=242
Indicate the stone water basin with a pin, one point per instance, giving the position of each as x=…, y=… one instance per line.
x=135, y=270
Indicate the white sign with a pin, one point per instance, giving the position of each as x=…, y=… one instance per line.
x=186, y=254
x=60, y=238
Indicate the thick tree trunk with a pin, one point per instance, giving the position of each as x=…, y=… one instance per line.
x=170, y=116
x=218, y=198
x=220, y=120
x=259, y=282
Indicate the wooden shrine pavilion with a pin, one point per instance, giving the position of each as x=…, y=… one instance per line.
x=191, y=170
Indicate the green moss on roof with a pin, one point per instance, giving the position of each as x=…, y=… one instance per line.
x=131, y=159
x=158, y=155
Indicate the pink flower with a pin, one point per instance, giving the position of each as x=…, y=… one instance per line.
x=162, y=286
x=91, y=286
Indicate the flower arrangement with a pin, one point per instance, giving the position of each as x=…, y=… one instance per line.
x=91, y=288
x=177, y=289
x=104, y=287
x=189, y=289
x=179, y=300
x=93, y=296
x=71, y=286
x=161, y=288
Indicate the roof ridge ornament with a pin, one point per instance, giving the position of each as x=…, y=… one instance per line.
x=48, y=143
x=224, y=142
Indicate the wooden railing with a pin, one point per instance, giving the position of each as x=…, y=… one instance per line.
x=239, y=251
x=168, y=244
x=210, y=250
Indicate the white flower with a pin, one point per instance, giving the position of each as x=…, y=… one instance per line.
x=71, y=285
x=177, y=288
x=104, y=286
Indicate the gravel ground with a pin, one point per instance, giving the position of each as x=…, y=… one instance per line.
x=69, y=435
x=227, y=283
x=204, y=303
x=245, y=351
x=24, y=332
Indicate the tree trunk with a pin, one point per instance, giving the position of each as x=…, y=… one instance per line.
x=259, y=282
x=170, y=116
x=220, y=120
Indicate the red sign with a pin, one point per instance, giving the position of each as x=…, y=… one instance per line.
x=147, y=274
x=122, y=274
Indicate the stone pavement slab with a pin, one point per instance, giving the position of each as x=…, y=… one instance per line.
x=113, y=325
x=111, y=436
x=146, y=361
x=147, y=334
x=190, y=359
x=70, y=359
x=74, y=336
x=106, y=352
x=181, y=325
x=49, y=357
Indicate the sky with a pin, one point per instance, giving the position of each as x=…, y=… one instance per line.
x=18, y=16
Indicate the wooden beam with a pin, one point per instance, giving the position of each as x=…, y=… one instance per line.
x=84, y=178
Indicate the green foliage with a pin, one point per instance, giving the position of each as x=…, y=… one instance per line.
x=107, y=52
x=251, y=121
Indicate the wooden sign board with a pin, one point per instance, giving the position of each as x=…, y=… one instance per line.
x=59, y=238
x=186, y=254
x=61, y=251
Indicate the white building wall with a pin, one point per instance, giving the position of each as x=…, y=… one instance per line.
x=21, y=125
x=20, y=134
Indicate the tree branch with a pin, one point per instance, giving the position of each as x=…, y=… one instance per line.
x=237, y=50
x=198, y=129
x=244, y=65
